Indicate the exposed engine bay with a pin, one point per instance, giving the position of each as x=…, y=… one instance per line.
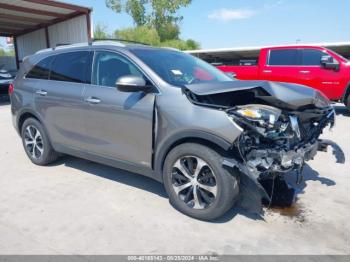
x=281, y=129
x=281, y=143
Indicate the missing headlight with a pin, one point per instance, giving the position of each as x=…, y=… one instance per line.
x=262, y=115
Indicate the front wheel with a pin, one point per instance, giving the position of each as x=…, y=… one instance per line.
x=197, y=183
x=347, y=102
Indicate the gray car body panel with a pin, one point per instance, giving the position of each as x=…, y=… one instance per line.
x=292, y=95
x=133, y=131
x=138, y=129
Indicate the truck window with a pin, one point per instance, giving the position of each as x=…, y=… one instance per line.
x=312, y=57
x=283, y=57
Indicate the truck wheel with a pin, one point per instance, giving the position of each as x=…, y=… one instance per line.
x=197, y=183
x=36, y=143
x=347, y=102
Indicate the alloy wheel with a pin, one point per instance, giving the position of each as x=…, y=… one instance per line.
x=33, y=142
x=194, y=182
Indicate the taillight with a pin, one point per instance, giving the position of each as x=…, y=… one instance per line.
x=11, y=89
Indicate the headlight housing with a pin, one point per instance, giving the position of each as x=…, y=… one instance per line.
x=262, y=115
x=321, y=100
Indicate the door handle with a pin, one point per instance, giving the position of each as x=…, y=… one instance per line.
x=93, y=100
x=267, y=71
x=304, y=72
x=41, y=92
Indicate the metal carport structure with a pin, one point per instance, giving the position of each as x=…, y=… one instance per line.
x=38, y=24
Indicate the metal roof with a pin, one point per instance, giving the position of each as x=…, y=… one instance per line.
x=18, y=17
x=342, y=48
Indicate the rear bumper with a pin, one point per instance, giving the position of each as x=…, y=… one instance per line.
x=14, y=123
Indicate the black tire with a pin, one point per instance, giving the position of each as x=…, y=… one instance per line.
x=227, y=188
x=48, y=154
x=347, y=102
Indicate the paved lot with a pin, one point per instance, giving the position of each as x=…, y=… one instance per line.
x=79, y=207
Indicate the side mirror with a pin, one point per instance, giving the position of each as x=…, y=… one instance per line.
x=131, y=83
x=231, y=75
x=328, y=62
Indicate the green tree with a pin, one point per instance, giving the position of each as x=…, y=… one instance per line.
x=143, y=34
x=192, y=45
x=169, y=31
x=100, y=32
x=135, y=8
x=181, y=44
x=159, y=14
x=10, y=52
x=148, y=35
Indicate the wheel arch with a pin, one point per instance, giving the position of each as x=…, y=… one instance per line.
x=346, y=92
x=193, y=136
x=24, y=115
x=28, y=113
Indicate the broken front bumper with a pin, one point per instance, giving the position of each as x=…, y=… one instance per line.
x=272, y=163
x=279, y=161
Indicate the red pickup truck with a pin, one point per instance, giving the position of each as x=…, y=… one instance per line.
x=313, y=66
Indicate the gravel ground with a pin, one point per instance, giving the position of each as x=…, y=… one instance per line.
x=79, y=207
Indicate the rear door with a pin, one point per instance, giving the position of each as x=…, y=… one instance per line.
x=119, y=125
x=59, y=99
x=312, y=74
x=281, y=65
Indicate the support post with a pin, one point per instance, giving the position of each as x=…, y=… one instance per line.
x=16, y=51
x=88, y=22
x=47, y=37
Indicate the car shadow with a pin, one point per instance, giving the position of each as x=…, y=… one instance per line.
x=309, y=174
x=152, y=186
x=113, y=174
x=341, y=110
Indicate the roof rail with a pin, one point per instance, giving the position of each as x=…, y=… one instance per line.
x=59, y=44
x=116, y=40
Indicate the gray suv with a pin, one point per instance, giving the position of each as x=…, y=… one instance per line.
x=167, y=115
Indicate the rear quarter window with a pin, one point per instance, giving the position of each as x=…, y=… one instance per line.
x=41, y=70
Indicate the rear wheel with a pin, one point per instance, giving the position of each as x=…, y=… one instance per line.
x=36, y=143
x=197, y=183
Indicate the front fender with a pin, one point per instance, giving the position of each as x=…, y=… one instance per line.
x=183, y=136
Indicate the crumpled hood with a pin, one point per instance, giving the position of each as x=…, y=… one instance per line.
x=292, y=96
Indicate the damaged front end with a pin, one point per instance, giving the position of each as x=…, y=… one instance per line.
x=280, y=131
x=274, y=146
x=283, y=142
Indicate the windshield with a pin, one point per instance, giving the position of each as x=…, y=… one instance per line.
x=179, y=68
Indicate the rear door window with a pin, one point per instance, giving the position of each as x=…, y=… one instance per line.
x=283, y=57
x=72, y=67
x=41, y=70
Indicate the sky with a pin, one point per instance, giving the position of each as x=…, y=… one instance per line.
x=242, y=23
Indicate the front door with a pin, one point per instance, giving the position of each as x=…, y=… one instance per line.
x=312, y=74
x=118, y=125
